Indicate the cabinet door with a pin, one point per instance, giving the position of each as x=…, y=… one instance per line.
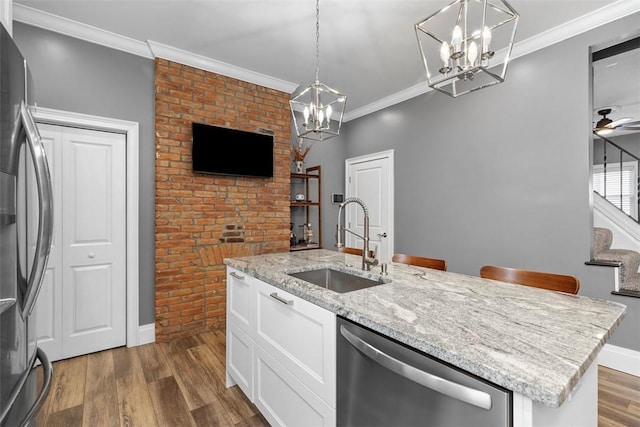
x=239, y=299
x=284, y=400
x=300, y=336
x=240, y=358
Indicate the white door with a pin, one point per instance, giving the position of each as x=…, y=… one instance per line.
x=82, y=309
x=49, y=303
x=370, y=178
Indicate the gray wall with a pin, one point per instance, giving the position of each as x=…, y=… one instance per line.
x=488, y=178
x=330, y=154
x=73, y=75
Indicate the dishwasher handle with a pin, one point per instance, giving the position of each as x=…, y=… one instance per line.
x=457, y=391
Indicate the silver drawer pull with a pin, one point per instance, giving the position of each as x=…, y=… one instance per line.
x=277, y=297
x=237, y=276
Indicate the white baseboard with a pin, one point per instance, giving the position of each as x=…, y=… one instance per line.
x=620, y=359
x=146, y=333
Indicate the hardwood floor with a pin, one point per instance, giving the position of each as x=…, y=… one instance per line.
x=618, y=399
x=182, y=383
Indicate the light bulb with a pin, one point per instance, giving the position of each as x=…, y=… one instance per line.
x=305, y=113
x=472, y=53
x=329, y=111
x=320, y=117
x=456, y=38
x=445, y=53
x=486, y=39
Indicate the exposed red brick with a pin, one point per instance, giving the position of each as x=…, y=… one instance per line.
x=193, y=211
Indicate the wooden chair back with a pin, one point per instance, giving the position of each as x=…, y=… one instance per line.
x=536, y=279
x=436, y=264
x=354, y=251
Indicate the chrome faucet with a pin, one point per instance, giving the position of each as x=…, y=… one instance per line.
x=367, y=262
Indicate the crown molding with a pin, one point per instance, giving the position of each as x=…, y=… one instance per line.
x=68, y=27
x=393, y=99
x=160, y=50
x=147, y=49
x=582, y=24
x=597, y=18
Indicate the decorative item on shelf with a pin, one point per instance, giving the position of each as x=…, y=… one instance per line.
x=314, y=108
x=307, y=232
x=468, y=40
x=300, y=197
x=299, y=153
x=293, y=240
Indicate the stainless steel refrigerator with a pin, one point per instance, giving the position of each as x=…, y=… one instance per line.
x=23, y=165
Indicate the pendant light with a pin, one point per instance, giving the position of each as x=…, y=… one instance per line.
x=318, y=110
x=466, y=45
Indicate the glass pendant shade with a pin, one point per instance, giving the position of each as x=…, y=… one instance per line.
x=466, y=45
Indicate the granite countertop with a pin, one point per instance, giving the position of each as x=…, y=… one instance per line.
x=535, y=342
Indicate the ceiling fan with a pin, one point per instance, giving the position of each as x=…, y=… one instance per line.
x=605, y=125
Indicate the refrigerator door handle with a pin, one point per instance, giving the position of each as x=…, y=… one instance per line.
x=46, y=386
x=441, y=385
x=45, y=209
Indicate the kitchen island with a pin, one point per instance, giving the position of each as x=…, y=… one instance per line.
x=539, y=344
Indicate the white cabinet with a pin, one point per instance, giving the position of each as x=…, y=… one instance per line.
x=281, y=352
x=300, y=335
x=239, y=307
x=239, y=320
x=240, y=358
x=284, y=400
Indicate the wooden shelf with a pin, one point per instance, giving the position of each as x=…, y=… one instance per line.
x=312, y=206
x=304, y=175
x=294, y=203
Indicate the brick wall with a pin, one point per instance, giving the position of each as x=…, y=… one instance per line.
x=201, y=219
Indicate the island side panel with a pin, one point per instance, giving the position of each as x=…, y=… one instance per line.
x=579, y=410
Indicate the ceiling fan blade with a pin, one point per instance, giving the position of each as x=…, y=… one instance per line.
x=619, y=122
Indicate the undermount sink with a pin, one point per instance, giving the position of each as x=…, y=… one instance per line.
x=337, y=281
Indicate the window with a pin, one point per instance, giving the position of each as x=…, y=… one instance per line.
x=621, y=187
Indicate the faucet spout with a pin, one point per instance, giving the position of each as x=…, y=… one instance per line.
x=367, y=261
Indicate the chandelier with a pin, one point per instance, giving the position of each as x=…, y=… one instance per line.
x=466, y=45
x=318, y=110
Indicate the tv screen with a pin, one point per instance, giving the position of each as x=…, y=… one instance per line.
x=226, y=151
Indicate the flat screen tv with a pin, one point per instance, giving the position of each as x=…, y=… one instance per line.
x=224, y=151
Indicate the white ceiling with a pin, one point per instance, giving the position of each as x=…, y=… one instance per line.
x=368, y=48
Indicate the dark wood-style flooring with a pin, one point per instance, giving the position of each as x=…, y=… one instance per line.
x=182, y=383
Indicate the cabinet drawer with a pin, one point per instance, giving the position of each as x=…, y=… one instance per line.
x=285, y=401
x=300, y=336
x=239, y=299
x=240, y=358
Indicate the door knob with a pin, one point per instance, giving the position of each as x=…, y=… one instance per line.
x=92, y=254
x=382, y=234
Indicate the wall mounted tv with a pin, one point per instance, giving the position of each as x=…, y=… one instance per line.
x=224, y=151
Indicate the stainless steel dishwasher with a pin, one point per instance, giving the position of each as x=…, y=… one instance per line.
x=382, y=382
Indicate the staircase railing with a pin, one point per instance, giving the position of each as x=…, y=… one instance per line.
x=613, y=160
